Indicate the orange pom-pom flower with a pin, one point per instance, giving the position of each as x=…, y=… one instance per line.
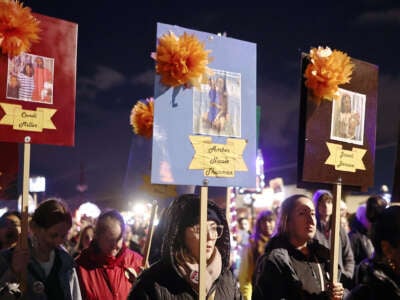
x=326, y=71
x=18, y=28
x=181, y=60
x=142, y=116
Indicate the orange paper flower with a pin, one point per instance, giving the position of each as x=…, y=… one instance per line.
x=18, y=28
x=326, y=71
x=142, y=116
x=181, y=60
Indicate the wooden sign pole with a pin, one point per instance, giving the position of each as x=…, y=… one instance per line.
x=147, y=245
x=23, y=238
x=335, y=228
x=229, y=191
x=203, y=240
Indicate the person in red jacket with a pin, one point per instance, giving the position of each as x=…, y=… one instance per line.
x=107, y=268
x=43, y=82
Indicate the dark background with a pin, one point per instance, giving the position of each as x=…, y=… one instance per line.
x=115, y=70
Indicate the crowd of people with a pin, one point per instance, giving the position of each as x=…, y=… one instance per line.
x=285, y=256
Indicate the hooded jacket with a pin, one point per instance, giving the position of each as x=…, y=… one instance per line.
x=163, y=280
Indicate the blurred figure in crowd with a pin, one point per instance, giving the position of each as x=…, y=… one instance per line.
x=375, y=205
x=323, y=201
x=10, y=229
x=158, y=236
x=85, y=237
x=295, y=265
x=243, y=232
x=381, y=276
x=176, y=274
x=359, y=235
x=107, y=268
x=344, y=217
x=50, y=269
x=264, y=228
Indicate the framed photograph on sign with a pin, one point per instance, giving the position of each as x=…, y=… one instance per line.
x=30, y=78
x=348, y=116
x=217, y=105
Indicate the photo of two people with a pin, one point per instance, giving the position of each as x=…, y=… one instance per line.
x=30, y=78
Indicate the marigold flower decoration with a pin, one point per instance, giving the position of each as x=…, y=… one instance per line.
x=142, y=116
x=326, y=71
x=18, y=28
x=181, y=60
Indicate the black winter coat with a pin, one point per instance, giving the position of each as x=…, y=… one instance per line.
x=283, y=272
x=376, y=281
x=163, y=280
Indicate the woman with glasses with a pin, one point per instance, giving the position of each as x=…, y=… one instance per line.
x=176, y=274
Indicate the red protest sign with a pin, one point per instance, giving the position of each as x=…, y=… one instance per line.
x=37, y=88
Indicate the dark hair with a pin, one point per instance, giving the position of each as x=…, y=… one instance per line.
x=375, y=205
x=6, y=222
x=267, y=215
x=342, y=108
x=51, y=212
x=285, y=210
x=24, y=69
x=184, y=212
x=12, y=213
x=102, y=223
x=81, y=236
x=318, y=196
x=387, y=228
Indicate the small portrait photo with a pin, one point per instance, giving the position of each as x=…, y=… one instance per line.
x=30, y=78
x=217, y=105
x=348, y=117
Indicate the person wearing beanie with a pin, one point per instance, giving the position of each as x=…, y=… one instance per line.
x=176, y=274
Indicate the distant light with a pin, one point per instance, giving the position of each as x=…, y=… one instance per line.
x=88, y=209
x=128, y=217
x=31, y=204
x=37, y=184
x=139, y=209
x=3, y=210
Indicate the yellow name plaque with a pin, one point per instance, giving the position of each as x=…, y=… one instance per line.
x=345, y=160
x=218, y=160
x=27, y=120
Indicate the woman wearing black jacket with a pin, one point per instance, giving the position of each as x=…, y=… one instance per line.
x=295, y=265
x=175, y=275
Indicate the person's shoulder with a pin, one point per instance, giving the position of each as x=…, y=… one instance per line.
x=360, y=292
x=133, y=253
x=276, y=252
x=6, y=254
x=155, y=272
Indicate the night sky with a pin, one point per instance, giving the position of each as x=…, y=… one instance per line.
x=115, y=70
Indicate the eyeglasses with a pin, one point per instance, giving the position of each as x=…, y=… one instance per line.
x=215, y=231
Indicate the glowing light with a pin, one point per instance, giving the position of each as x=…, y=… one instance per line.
x=88, y=209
